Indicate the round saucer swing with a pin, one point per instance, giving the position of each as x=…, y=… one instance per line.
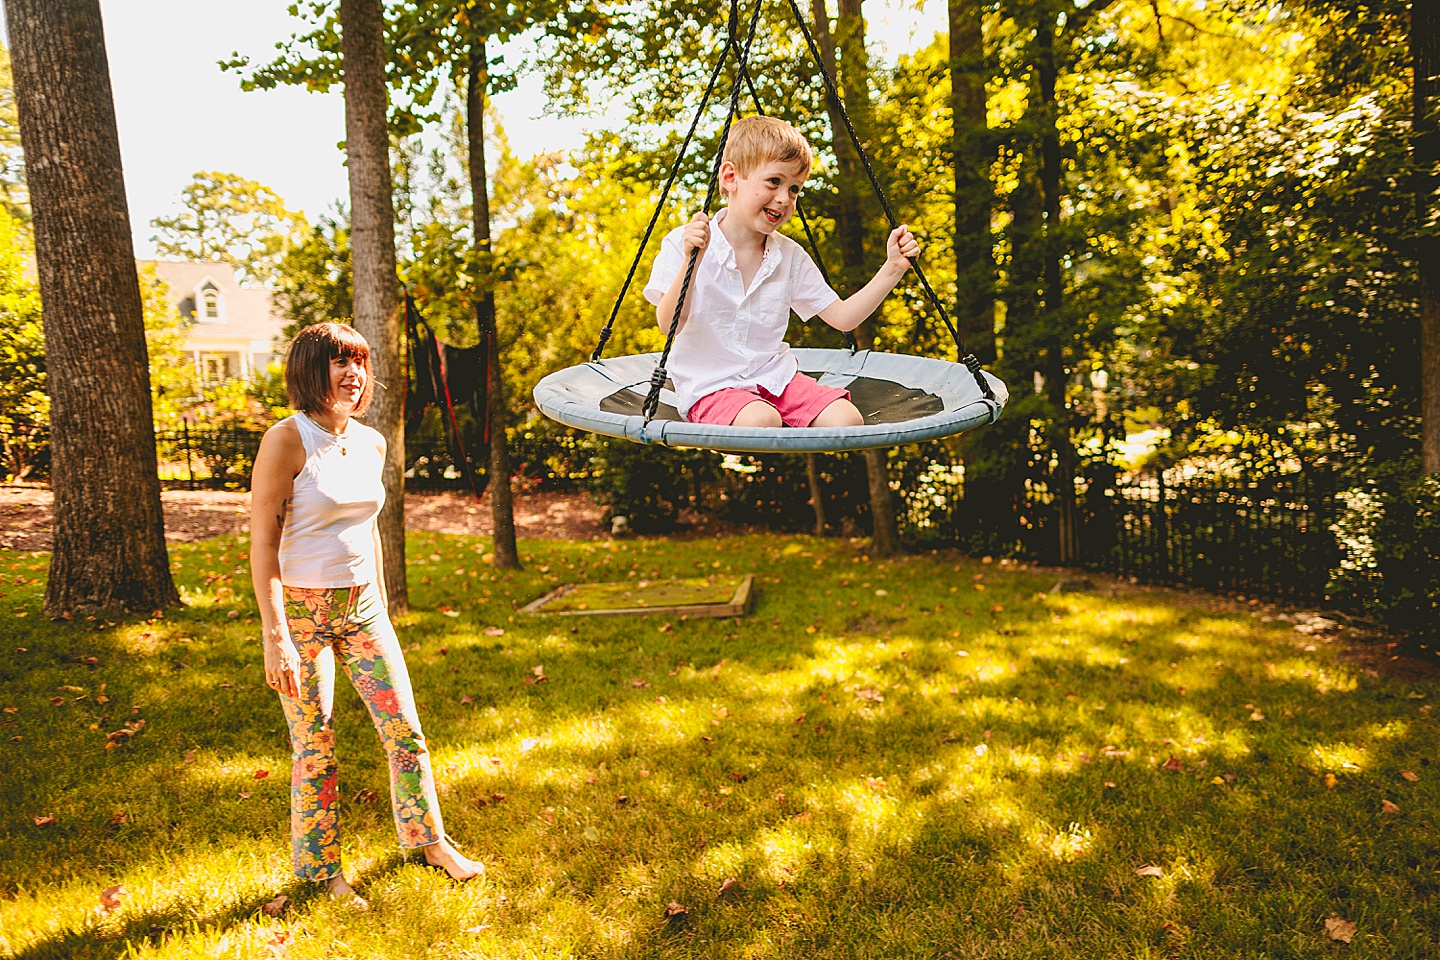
x=903, y=399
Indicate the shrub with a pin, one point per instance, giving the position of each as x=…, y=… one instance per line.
x=1390, y=535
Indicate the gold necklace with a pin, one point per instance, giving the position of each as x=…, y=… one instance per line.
x=340, y=438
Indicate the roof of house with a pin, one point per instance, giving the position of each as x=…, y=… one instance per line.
x=247, y=312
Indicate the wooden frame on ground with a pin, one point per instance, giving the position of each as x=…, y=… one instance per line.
x=738, y=604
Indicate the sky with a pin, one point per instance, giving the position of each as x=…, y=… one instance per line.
x=178, y=113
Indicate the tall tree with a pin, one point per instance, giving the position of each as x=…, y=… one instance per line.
x=974, y=192
x=843, y=52
x=109, y=531
x=502, y=509
x=1425, y=62
x=372, y=243
x=228, y=218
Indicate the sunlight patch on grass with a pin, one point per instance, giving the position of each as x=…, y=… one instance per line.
x=1340, y=757
x=1067, y=845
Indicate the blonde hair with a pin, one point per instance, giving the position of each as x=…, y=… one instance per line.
x=759, y=140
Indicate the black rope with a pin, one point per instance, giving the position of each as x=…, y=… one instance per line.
x=966, y=357
x=665, y=193
x=657, y=379
x=804, y=220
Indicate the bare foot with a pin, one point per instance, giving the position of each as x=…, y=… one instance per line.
x=340, y=890
x=452, y=861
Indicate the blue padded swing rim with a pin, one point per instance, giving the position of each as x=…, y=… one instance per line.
x=573, y=395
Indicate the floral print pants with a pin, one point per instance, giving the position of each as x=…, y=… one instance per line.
x=349, y=626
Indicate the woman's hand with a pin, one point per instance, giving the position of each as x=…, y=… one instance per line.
x=697, y=234
x=282, y=662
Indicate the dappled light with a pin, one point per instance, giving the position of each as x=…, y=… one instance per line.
x=821, y=760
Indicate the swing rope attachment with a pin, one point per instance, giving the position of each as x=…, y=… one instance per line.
x=742, y=56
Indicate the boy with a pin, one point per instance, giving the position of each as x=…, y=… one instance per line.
x=731, y=365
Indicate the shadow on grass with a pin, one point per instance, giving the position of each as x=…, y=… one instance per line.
x=873, y=791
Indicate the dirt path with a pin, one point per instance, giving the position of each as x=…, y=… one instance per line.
x=25, y=515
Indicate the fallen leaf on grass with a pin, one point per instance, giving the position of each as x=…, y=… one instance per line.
x=244, y=795
x=621, y=800
x=637, y=682
x=1257, y=716
x=366, y=796
x=261, y=774
x=118, y=817
x=190, y=756
x=1337, y=928
x=494, y=631
x=44, y=821
x=673, y=909
x=276, y=907
x=1410, y=775
x=726, y=885
x=1149, y=871
x=875, y=783
x=57, y=701
x=466, y=698
x=478, y=929
x=280, y=942
x=1330, y=781
x=548, y=815
x=1173, y=764
x=1387, y=807
x=497, y=797
x=451, y=613
x=110, y=898
x=12, y=709
x=870, y=695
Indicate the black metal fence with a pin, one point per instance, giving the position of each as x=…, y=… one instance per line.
x=1269, y=537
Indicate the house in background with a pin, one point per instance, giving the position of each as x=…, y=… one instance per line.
x=232, y=331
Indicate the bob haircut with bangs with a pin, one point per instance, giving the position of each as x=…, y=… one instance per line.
x=307, y=367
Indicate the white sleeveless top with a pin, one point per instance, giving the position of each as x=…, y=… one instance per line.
x=328, y=539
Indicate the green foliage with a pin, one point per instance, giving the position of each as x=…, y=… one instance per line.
x=648, y=483
x=14, y=194
x=227, y=218
x=313, y=282
x=1390, y=532
x=24, y=403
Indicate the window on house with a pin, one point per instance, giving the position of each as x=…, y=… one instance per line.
x=217, y=368
x=210, y=306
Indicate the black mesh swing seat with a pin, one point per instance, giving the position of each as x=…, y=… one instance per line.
x=904, y=399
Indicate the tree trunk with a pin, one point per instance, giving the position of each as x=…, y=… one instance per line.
x=853, y=79
x=109, y=532
x=1425, y=55
x=502, y=507
x=372, y=257
x=974, y=192
x=1063, y=476
x=817, y=492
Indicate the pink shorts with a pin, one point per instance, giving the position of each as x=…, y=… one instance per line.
x=798, y=404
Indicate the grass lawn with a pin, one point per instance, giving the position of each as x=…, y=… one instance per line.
x=920, y=758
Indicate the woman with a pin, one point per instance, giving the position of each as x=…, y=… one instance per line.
x=315, y=561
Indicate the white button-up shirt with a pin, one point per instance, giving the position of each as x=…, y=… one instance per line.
x=735, y=337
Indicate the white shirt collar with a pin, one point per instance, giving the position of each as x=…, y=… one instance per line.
x=725, y=253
